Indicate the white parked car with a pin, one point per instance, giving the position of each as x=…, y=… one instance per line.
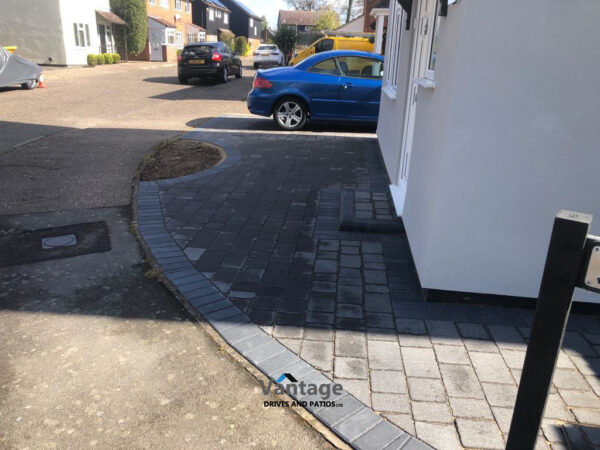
x=268, y=55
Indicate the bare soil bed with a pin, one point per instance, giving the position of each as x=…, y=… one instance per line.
x=181, y=157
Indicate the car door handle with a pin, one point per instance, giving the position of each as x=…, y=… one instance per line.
x=348, y=85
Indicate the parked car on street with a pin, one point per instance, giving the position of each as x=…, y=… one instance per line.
x=268, y=55
x=208, y=59
x=17, y=70
x=361, y=42
x=338, y=85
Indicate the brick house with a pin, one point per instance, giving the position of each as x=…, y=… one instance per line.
x=302, y=21
x=170, y=27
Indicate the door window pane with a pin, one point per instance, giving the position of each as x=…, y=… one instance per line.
x=324, y=45
x=327, y=67
x=360, y=67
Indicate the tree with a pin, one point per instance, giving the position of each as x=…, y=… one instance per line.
x=135, y=14
x=327, y=19
x=349, y=9
x=241, y=45
x=285, y=38
x=264, y=23
x=306, y=5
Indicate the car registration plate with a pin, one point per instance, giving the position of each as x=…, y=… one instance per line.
x=196, y=61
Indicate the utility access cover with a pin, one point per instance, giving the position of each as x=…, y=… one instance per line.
x=54, y=243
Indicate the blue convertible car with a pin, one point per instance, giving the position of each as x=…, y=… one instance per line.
x=336, y=85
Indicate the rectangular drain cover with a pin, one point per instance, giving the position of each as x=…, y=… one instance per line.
x=54, y=243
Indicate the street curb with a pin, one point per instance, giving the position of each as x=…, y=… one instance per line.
x=354, y=423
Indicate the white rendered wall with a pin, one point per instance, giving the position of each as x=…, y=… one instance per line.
x=509, y=136
x=78, y=11
x=35, y=27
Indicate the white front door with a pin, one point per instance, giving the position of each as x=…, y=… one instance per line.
x=422, y=24
x=157, y=38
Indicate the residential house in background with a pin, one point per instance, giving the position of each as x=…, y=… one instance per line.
x=354, y=26
x=488, y=127
x=60, y=32
x=169, y=29
x=301, y=21
x=370, y=21
x=212, y=16
x=244, y=23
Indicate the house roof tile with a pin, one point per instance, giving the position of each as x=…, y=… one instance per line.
x=297, y=17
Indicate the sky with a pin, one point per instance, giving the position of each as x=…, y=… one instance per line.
x=269, y=8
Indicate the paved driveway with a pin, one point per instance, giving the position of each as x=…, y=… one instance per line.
x=263, y=230
x=93, y=352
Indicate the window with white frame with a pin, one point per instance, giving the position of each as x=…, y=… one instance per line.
x=164, y=3
x=179, y=39
x=251, y=22
x=187, y=6
x=225, y=18
x=178, y=5
x=152, y=2
x=393, y=47
x=219, y=14
x=82, y=34
x=211, y=14
x=170, y=36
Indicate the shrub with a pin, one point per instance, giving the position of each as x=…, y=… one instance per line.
x=286, y=39
x=228, y=37
x=241, y=45
x=100, y=59
x=134, y=12
x=92, y=60
x=108, y=59
x=116, y=58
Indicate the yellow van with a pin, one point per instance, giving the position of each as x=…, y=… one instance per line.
x=363, y=43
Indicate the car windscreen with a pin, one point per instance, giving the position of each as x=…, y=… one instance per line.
x=267, y=47
x=197, y=50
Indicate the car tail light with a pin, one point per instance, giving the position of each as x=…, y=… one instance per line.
x=261, y=83
x=217, y=56
x=255, y=53
x=179, y=58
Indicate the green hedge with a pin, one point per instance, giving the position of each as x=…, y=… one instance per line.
x=100, y=59
x=108, y=58
x=241, y=45
x=116, y=58
x=92, y=60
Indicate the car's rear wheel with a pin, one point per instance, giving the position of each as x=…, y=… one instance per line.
x=290, y=113
x=239, y=72
x=30, y=84
x=183, y=80
x=224, y=75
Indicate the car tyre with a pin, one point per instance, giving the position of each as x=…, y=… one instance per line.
x=30, y=84
x=290, y=113
x=224, y=75
x=255, y=66
x=239, y=72
x=183, y=80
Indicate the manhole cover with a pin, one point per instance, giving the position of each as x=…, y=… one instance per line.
x=59, y=241
x=54, y=243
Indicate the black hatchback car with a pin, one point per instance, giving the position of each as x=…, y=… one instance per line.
x=208, y=59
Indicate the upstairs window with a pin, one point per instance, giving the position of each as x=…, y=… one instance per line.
x=152, y=2
x=178, y=5
x=225, y=18
x=187, y=6
x=251, y=22
x=211, y=14
x=164, y=4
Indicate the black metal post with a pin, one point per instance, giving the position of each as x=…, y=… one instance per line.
x=561, y=272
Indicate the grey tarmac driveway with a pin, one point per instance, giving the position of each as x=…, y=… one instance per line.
x=93, y=352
